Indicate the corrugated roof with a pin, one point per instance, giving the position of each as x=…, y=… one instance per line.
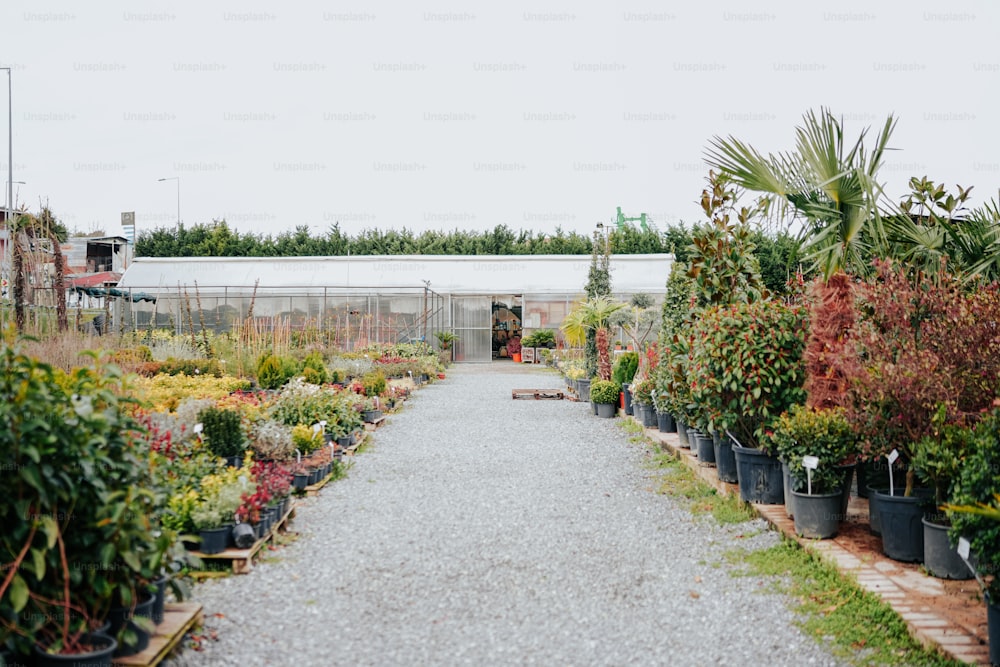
x=448, y=274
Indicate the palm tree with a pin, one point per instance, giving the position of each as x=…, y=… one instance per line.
x=932, y=225
x=588, y=317
x=831, y=185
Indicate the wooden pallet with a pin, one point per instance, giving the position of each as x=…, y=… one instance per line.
x=313, y=489
x=537, y=394
x=178, y=619
x=242, y=559
x=371, y=426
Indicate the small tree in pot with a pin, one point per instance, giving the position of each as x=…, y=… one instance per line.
x=919, y=344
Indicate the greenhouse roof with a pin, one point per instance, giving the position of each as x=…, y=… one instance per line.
x=447, y=274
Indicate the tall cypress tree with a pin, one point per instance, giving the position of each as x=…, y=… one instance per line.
x=598, y=285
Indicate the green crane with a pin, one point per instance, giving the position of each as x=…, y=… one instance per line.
x=643, y=221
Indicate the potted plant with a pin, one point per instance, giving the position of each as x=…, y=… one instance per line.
x=215, y=513
x=642, y=397
x=746, y=369
x=271, y=440
x=604, y=394
x=661, y=403
x=622, y=372
x=54, y=425
x=937, y=460
x=919, y=343
x=975, y=515
x=446, y=341
x=818, y=493
x=223, y=431
x=514, y=349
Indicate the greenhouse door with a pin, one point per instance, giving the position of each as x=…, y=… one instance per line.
x=473, y=324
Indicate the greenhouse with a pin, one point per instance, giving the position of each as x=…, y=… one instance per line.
x=483, y=299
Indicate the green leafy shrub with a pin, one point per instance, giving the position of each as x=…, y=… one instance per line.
x=642, y=392
x=746, y=366
x=77, y=490
x=977, y=486
x=223, y=431
x=625, y=367
x=938, y=457
x=274, y=371
x=446, y=339
x=374, y=383
x=823, y=433
x=314, y=368
x=306, y=439
x=604, y=391
x=191, y=367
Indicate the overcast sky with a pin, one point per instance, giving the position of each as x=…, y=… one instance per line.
x=442, y=115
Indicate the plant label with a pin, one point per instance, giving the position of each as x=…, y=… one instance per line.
x=810, y=462
x=963, y=548
x=199, y=427
x=317, y=428
x=892, y=456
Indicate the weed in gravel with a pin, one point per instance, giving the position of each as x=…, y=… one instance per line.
x=677, y=480
x=854, y=624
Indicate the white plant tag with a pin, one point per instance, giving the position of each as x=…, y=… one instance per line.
x=810, y=462
x=963, y=548
x=316, y=428
x=199, y=427
x=892, y=456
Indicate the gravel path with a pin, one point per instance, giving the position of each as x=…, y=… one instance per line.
x=479, y=530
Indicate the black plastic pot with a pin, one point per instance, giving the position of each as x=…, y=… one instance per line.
x=725, y=460
x=606, y=410
x=628, y=400
x=244, y=535
x=159, y=598
x=344, y=441
x=940, y=558
x=649, y=416
x=845, y=489
x=215, y=540
x=786, y=476
x=665, y=422
x=875, y=474
x=593, y=408
x=817, y=516
x=874, y=522
x=300, y=480
x=760, y=476
x=234, y=461
x=105, y=647
x=682, y=434
x=583, y=389
x=120, y=617
x=993, y=629
x=706, y=448
x=901, y=522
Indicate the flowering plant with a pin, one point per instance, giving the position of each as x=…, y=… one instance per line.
x=514, y=346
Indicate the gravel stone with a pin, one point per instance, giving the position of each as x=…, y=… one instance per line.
x=481, y=530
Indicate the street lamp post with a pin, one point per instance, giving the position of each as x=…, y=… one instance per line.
x=178, y=179
x=9, y=211
x=10, y=145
